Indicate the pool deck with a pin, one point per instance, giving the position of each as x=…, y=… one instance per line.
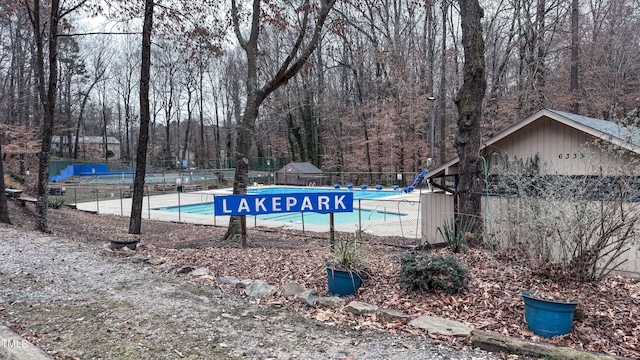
x=408, y=204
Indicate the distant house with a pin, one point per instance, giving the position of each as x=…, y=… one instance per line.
x=89, y=147
x=299, y=173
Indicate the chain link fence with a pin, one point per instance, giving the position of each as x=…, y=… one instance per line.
x=395, y=216
x=175, y=192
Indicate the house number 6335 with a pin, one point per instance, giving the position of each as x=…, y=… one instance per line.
x=570, y=156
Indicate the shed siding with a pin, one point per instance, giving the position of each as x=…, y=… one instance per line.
x=561, y=149
x=502, y=230
x=436, y=208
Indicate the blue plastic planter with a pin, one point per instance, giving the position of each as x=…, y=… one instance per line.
x=342, y=282
x=548, y=318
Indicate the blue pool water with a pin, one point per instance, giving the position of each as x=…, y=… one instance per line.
x=323, y=219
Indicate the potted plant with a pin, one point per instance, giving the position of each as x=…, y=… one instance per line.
x=347, y=266
x=546, y=314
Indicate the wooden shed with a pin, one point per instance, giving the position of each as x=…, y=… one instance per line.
x=300, y=173
x=559, y=143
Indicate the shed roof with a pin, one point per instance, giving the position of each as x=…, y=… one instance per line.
x=627, y=137
x=303, y=167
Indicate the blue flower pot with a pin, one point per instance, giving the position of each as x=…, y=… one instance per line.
x=342, y=282
x=546, y=317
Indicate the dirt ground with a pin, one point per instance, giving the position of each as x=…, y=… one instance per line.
x=607, y=320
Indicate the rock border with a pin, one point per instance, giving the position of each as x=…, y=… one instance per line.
x=493, y=342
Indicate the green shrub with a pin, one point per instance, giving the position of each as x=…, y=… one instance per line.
x=422, y=271
x=56, y=203
x=456, y=240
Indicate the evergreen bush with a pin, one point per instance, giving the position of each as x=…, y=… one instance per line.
x=423, y=271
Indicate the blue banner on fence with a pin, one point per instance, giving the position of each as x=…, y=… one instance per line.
x=322, y=202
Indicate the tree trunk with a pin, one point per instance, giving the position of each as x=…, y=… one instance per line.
x=167, y=129
x=540, y=78
x=469, y=103
x=442, y=96
x=48, y=92
x=135, y=222
x=203, y=146
x=76, y=146
x=4, y=210
x=575, y=43
x=185, y=154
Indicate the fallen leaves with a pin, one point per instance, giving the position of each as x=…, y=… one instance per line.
x=607, y=321
x=324, y=315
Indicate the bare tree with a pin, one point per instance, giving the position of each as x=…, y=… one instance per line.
x=48, y=91
x=135, y=221
x=98, y=74
x=255, y=94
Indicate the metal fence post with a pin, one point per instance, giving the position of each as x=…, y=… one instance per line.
x=213, y=198
x=121, y=205
x=360, y=214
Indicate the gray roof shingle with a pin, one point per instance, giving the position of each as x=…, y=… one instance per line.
x=630, y=134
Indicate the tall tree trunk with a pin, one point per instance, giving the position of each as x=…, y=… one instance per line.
x=76, y=140
x=185, y=154
x=540, y=77
x=68, y=119
x=575, y=43
x=4, y=209
x=469, y=103
x=442, y=96
x=203, y=145
x=216, y=129
x=167, y=129
x=127, y=126
x=135, y=222
x=104, y=126
x=48, y=92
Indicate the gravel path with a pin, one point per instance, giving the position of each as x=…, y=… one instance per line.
x=76, y=301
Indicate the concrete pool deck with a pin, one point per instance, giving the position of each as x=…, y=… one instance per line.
x=407, y=226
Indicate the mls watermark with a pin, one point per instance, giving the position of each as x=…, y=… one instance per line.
x=13, y=344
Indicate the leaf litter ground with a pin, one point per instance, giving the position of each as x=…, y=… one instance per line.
x=607, y=319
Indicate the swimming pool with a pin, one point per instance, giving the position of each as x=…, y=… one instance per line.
x=357, y=216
